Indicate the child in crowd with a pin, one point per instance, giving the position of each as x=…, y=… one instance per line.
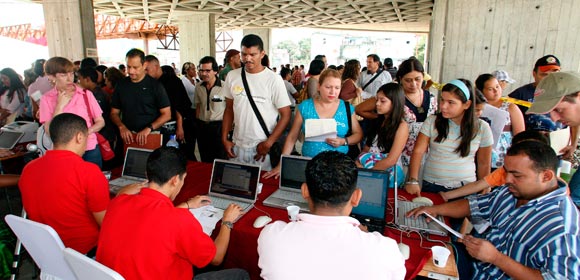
x=387, y=134
x=454, y=137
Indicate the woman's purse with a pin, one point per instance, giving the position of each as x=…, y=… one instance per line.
x=107, y=152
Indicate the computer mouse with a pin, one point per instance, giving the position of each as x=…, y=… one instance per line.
x=423, y=200
x=261, y=221
x=405, y=250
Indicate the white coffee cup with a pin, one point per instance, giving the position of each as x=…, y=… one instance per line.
x=293, y=211
x=440, y=255
x=565, y=166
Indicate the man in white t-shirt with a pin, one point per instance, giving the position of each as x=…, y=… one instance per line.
x=372, y=79
x=327, y=243
x=250, y=144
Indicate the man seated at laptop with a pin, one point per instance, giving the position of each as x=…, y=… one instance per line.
x=328, y=244
x=534, y=231
x=144, y=236
x=62, y=190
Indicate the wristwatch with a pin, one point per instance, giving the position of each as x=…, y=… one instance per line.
x=150, y=126
x=345, y=141
x=228, y=224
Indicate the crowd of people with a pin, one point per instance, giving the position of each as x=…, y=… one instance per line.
x=381, y=117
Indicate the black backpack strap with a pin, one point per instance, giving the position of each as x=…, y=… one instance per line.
x=372, y=79
x=254, y=107
x=348, y=117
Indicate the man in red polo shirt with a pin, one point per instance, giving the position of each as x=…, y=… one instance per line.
x=62, y=190
x=145, y=237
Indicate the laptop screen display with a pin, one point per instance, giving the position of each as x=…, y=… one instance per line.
x=136, y=163
x=374, y=193
x=235, y=179
x=9, y=138
x=293, y=170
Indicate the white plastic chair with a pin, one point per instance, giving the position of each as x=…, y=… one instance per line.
x=88, y=269
x=44, y=246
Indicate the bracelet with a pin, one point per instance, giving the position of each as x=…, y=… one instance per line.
x=228, y=224
x=412, y=181
x=186, y=203
x=345, y=141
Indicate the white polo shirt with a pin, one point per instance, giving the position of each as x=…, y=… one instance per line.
x=324, y=247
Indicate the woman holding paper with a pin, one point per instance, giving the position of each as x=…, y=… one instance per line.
x=514, y=122
x=313, y=118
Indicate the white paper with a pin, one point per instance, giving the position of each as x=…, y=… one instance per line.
x=459, y=235
x=498, y=120
x=317, y=130
x=207, y=216
x=559, y=139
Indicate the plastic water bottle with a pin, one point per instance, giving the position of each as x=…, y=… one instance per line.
x=172, y=142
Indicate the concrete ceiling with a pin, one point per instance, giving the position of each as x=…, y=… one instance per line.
x=383, y=15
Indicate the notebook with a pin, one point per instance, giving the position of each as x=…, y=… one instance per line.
x=411, y=223
x=292, y=175
x=234, y=182
x=8, y=139
x=134, y=169
x=372, y=206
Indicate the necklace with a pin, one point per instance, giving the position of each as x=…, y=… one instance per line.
x=420, y=109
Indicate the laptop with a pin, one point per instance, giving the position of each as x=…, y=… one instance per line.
x=234, y=182
x=411, y=223
x=134, y=169
x=372, y=206
x=292, y=175
x=8, y=139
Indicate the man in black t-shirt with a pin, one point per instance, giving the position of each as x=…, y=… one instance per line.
x=140, y=99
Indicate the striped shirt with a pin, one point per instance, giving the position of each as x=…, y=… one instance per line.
x=446, y=167
x=542, y=234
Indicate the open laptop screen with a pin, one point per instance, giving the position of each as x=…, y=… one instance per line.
x=293, y=170
x=235, y=179
x=373, y=184
x=8, y=139
x=136, y=163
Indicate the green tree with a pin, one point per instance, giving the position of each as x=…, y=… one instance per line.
x=420, y=48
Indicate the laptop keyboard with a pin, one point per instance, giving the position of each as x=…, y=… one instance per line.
x=222, y=203
x=413, y=222
x=287, y=195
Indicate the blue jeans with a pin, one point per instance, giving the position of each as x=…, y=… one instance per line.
x=94, y=156
x=575, y=188
x=433, y=188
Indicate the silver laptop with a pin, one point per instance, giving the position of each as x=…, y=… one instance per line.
x=134, y=169
x=292, y=175
x=234, y=182
x=412, y=223
x=8, y=139
x=372, y=206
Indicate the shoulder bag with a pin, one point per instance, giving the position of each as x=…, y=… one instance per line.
x=107, y=152
x=353, y=150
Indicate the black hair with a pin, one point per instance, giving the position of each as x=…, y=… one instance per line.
x=331, y=179
x=16, y=85
x=253, y=40
x=164, y=163
x=39, y=67
x=89, y=72
x=209, y=59
x=339, y=67
x=121, y=67
x=469, y=127
x=385, y=126
x=333, y=67
x=101, y=68
x=136, y=53
x=408, y=66
x=285, y=71
x=88, y=62
x=388, y=62
x=150, y=58
x=375, y=57
x=542, y=156
x=168, y=71
x=316, y=67
x=531, y=135
x=114, y=75
x=65, y=126
x=481, y=79
x=479, y=97
x=265, y=61
x=319, y=57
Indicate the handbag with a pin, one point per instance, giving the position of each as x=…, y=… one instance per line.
x=276, y=149
x=107, y=152
x=302, y=94
x=353, y=150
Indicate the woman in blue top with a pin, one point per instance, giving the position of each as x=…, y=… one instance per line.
x=326, y=105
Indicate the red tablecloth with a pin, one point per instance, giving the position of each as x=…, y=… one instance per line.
x=242, y=251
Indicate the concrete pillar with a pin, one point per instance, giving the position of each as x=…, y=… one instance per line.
x=196, y=36
x=264, y=33
x=70, y=28
x=437, y=41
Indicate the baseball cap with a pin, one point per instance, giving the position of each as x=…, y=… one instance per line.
x=231, y=53
x=502, y=75
x=547, y=62
x=552, y=89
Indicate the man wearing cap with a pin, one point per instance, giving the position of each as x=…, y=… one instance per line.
x=503, y=79
x=558, y=95
x=545, y=65
x=232, y=61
